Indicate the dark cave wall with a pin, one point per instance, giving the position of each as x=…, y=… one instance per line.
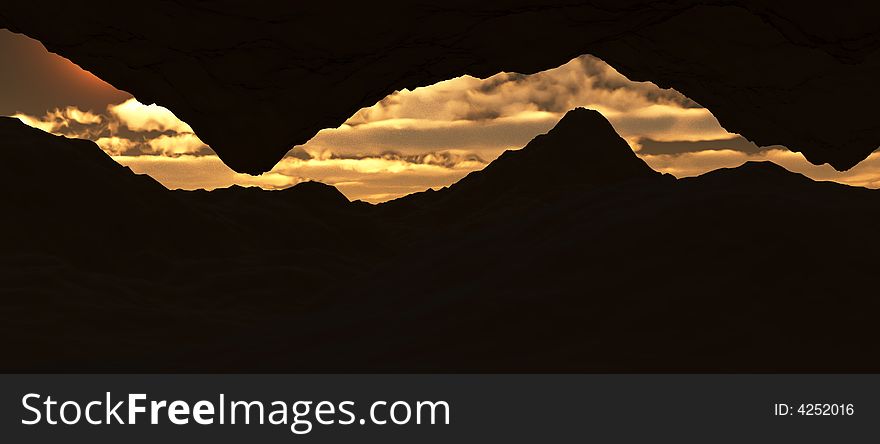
x=255, y=78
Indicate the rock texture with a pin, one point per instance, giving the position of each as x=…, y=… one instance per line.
x=255, y=78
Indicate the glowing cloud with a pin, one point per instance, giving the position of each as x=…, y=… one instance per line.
x=139, y=117
x=48, y=126
x=177, y=144
x=865, y=174
x=433, y=136
x=115, y=146
x=58, y=119
x=486, y=117
x=201, y=172
x=127, y=128
x=372, y=179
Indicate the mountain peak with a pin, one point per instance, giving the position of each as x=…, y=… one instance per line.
x=582, y=149
x=594, y=151
x=580, y=118
x=316, y=193
x=763, y=172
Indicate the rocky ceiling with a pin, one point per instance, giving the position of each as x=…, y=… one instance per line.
x=256, y=77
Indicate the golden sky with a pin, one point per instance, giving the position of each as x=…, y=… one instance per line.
x=411, y=140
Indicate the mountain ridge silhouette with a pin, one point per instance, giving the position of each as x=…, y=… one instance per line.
x=563, y=157
x=772, y=64
x=556, y=161
x=607, y=267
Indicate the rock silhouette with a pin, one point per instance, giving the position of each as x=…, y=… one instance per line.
x=570, y=254
x=560, y=159
x=256, y=78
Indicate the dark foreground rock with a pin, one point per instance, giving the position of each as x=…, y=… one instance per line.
x=595, y=265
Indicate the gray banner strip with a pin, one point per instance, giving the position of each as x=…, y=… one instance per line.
x=482, y=408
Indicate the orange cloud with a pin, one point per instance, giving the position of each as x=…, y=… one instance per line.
x=60, y=118
x=432, y=136
x=140, y=122
x=115, y=146
x=190, y=172
x=865, y=174
x=372, y=179
x=139, y=117
x=488, y=116
x=177, y=144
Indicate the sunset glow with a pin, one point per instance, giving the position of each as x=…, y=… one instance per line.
x=428, y=137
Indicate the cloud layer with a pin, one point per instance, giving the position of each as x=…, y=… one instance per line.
x=373, y=179
x=127, y=128
x=507, y=110
x=865, y=174
x=431, y=137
